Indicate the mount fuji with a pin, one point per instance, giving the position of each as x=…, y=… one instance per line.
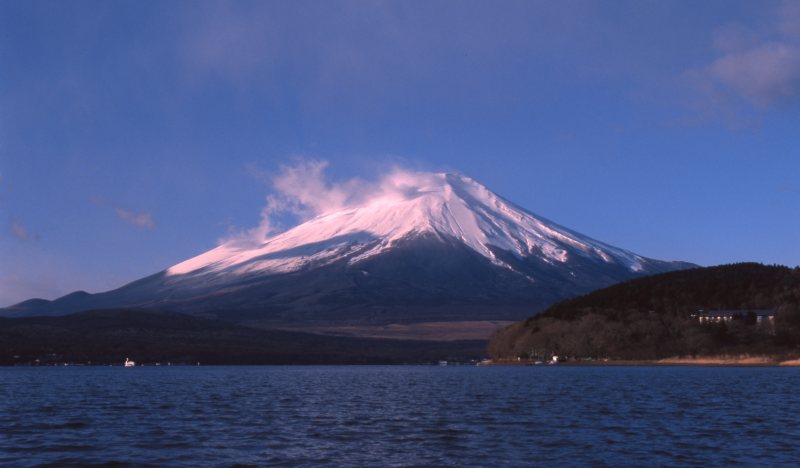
x=432, y=247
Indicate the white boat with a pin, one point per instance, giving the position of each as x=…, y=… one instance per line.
x=129, y=363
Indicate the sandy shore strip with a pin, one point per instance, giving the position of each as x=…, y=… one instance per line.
x=741, y=361
x=722, y=361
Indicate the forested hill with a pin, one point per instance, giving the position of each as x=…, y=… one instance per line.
x=656, y=316
x=736, y=286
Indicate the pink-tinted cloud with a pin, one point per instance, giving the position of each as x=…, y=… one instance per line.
x=766, y=74
x=142, y=219
x=733, y=37
x=19, y=231
x=789, y=19
x=300, y=189
x=790, y=188
x=757, y=68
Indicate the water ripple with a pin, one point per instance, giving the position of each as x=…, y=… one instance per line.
x=398, y=416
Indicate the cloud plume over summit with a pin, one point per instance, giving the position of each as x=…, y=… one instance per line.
x=303, y=190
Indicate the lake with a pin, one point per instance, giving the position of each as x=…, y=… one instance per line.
x=399, y=415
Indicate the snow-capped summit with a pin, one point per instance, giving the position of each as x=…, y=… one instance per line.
x=448, y=206
x=422, y=247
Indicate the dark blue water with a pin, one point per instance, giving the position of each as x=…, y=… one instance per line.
x=400, y=416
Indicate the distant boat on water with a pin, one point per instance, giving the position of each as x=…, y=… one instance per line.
x=129, y=363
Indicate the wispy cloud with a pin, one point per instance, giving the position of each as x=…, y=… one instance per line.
x=753, y=69
x=142, y=219
x=790, y=188
x=19, y=231
x=366, y=53
x=764, y=75
x=232, y=40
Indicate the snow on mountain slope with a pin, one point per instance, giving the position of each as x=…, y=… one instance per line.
x=445, y=205
x=417, y=247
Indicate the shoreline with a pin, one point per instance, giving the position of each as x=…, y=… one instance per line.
x=701, y=361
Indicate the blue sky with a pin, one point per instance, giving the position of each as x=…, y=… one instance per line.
x=134, y=135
